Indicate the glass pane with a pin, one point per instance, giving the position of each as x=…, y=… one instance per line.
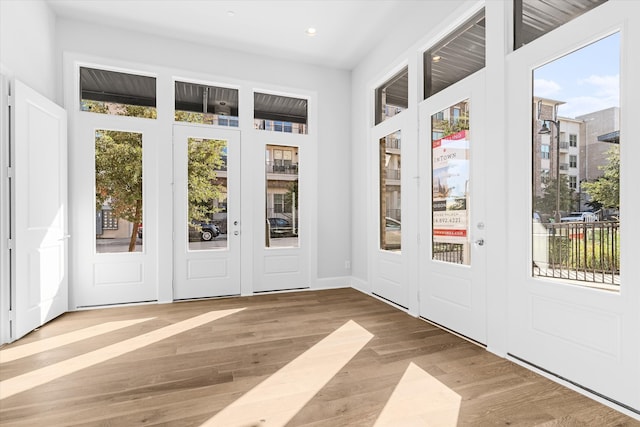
x=450, y=142
x=120, y=94
x=393, y=96
x=118, y=167
x=279, y=113
x=457, y=56
x=207, y=204
x=212, y=105
x=281, y=221
x=576, y=166
x=390, y=201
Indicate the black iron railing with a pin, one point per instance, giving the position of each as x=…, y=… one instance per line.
x=583, y=251
x=448, y=252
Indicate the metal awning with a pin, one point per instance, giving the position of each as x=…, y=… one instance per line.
x=613, y=137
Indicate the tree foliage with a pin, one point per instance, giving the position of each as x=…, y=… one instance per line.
x=118, y=157
x=206, y=156
x=546, y=204
x=451, y=126
x=606, y=189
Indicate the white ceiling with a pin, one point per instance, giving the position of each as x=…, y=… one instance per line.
x=346, y=29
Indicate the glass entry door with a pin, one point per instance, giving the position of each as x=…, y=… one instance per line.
x=206, y=212
x=452, y=256
x=572, y=261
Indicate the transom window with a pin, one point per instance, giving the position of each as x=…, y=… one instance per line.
x=392, y=97
x=455, y=57
x=118, y=94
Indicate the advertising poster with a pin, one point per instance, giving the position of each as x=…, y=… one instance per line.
x=450, y=188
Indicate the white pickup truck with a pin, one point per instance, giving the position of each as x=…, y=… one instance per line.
x=580, y=217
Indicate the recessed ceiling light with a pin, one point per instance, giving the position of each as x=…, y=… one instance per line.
x=436, y=58
x=311, y=31
x=230, y=13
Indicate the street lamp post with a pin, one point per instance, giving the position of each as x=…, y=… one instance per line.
x=545, y=131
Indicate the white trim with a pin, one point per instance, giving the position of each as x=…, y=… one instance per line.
x=5, y=214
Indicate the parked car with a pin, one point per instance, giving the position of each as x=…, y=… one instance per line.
x=280, y=227
x=393, y=229
x=580, y=217
x=203, y=231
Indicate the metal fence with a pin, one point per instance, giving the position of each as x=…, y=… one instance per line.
x=448, y=252
x=584, y=251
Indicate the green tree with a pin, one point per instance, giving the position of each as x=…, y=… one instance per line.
x=449, y=127
x=546, y=204
x=606, y=190
x=118, y=157
x=206, y=156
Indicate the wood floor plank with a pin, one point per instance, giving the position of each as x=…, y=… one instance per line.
x=191, y=376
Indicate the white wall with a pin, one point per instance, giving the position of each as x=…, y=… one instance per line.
x=330, y=85
x=27, y=40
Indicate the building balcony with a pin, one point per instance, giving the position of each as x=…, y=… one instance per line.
x=282, y=168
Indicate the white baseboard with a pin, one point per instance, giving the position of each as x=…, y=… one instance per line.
x=332, y=283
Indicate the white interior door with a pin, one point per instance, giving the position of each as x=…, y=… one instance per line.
x=572, y=326
x=39, y=193
x=206, y=211
x=452, y=256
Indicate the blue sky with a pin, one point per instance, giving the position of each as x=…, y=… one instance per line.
x=587, y=80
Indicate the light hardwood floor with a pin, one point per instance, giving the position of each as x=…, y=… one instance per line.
x=318, y=358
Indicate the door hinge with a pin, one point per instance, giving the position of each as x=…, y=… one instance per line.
x=10, y=244
x=10, y=100
x=9, y=172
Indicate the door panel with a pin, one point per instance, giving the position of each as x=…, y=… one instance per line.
x=389, y=278
x=39, y=145
x=282, y=215
x=112, y=263
x=452, y=256
x=584, y=332
x=206, y=212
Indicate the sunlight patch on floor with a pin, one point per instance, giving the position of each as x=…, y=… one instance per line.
x=281, y=396
x=420, y=400
x=44, y=375
x=26, y=350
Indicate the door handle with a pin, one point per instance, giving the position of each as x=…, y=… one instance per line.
x=480, y=242
x=235, y=233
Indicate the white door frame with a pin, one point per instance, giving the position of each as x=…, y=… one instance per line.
x=5, y=233
x=604, y=358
